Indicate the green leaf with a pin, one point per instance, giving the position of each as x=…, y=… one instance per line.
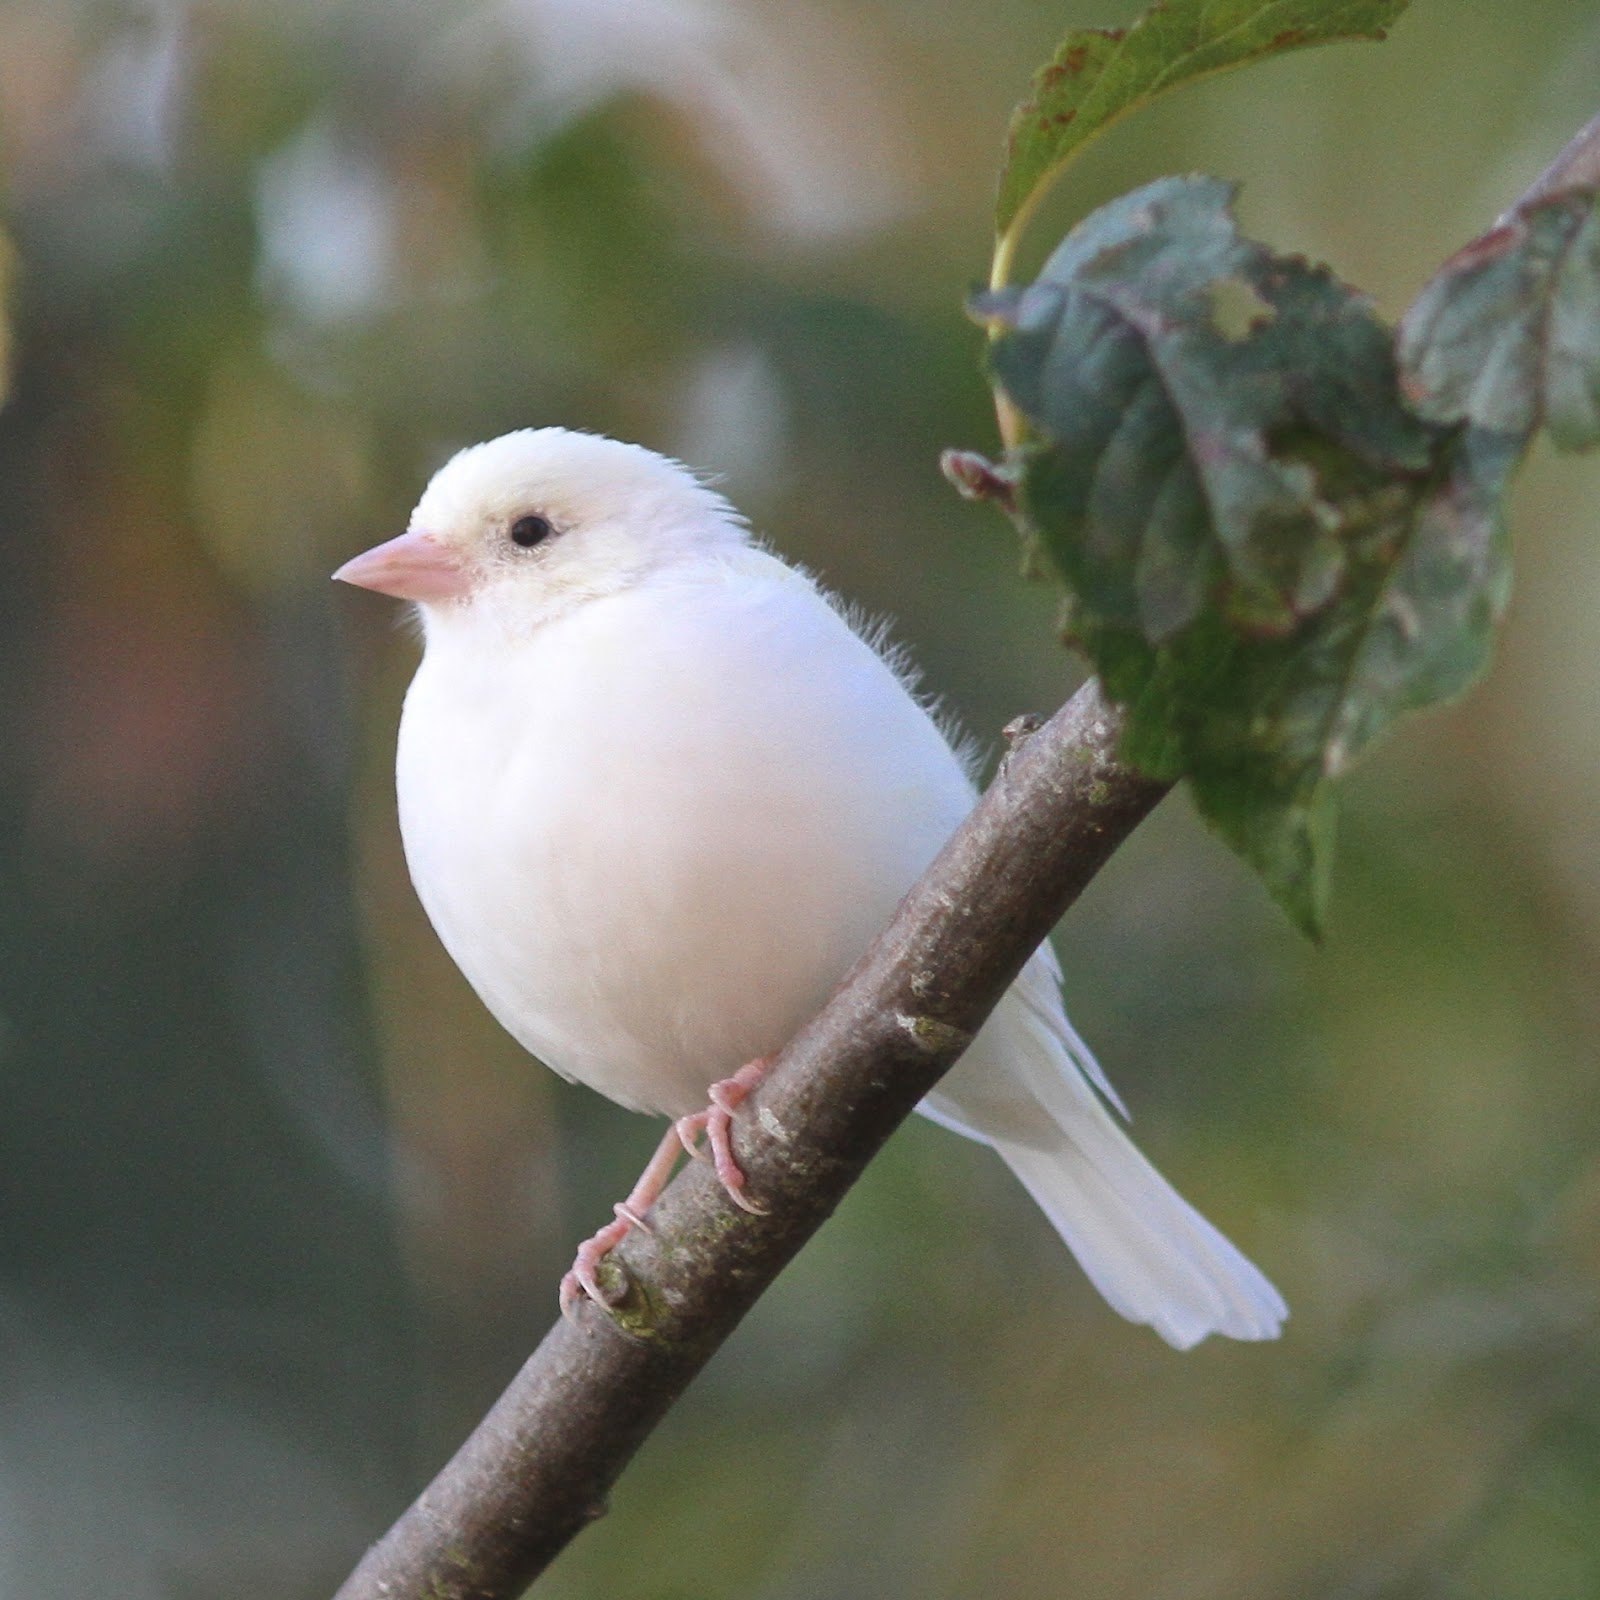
x=1268, y=556
x=1098, y=75
x=1429, y=624
x=1507, y=334
x=1173, y=432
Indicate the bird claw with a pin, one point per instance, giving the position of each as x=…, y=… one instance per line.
x=580, y=1282
x=715, y=1123
x=688, y=1129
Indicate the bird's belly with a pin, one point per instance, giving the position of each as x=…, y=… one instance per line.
x=646, y=907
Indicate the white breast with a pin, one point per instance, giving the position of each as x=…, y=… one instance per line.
x=657, y=834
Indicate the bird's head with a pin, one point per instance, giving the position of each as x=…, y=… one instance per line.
x=529, y=524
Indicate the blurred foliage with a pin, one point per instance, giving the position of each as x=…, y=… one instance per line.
x=7, y=270
x=282, y=1210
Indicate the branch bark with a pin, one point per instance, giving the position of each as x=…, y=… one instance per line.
x=538, y=1468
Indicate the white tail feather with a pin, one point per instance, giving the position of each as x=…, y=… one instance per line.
x=1025, y=1088
x=1145, y=1248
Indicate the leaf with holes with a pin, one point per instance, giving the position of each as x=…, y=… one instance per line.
x=1268, y=555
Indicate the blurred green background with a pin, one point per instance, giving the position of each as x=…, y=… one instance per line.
x=281, y=1210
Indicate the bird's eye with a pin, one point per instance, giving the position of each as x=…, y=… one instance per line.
x=529, y=531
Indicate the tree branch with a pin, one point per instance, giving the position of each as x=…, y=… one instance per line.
x=539, y=1466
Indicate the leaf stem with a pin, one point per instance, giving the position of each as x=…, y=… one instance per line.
x=1013, y=425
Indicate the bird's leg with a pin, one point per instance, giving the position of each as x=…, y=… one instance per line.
x=630, y=1214
x=714, y=1122
x=726, y=1095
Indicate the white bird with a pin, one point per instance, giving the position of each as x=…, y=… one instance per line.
x=658, y=793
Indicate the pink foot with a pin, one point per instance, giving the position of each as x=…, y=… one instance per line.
x=726, y=1095
x=580, y=1280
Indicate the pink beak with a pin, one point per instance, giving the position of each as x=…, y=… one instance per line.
x=413, y=567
